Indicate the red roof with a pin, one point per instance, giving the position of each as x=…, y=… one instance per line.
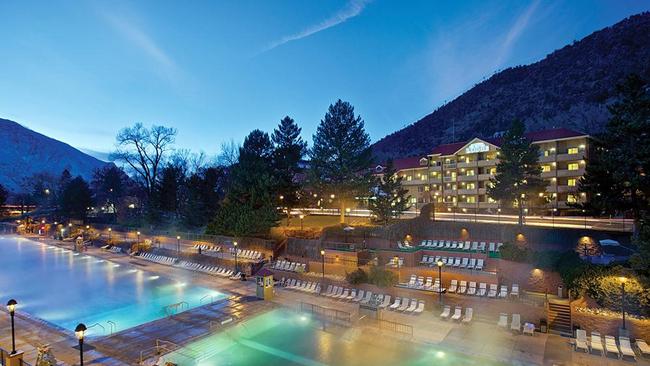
x=407, y=163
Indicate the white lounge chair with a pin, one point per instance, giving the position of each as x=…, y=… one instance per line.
x=469, y=313
x=420, y=307
x=472, y=263
x=386, y=302
x=503, y=293
x=328, y=291
x=458, y=313
x=516, y=323
x=479, y=265
x=515, y=290
x=359, y=296
x=453, y=286
x=471, y=290
x=611, y=347
x=643, y=347
x=345, y=294
x=412, y=307
x=429, y=284
x=405, y=304
x=463, y=287
x=482, y=290
x=626, y=347
x=396, y=304
x=597, y=343
x=503, y=320
x=581, y=341
x=445, y=312
x=493, y=290
x=367, y=298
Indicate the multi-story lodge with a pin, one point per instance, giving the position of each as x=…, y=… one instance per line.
x=455, y=176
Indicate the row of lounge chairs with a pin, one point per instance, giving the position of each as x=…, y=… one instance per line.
x=246, y=254
x=158, y=258
x=467, y=245
x=284, y=265
x=396, y=262
x=493, y=292
x=413, y=306
x=464, y=262
x=303, y=286
x=112, y=249
x=607, y=345
x=419, y=283
x=404, y=245
x=402, y=305
x=207, y=247
x=515, y=324
x=458, y=314
x=213, y=270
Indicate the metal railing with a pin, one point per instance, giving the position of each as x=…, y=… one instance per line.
x=333, y=315
x=391, y=326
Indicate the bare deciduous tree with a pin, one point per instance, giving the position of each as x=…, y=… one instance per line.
x=143, y=150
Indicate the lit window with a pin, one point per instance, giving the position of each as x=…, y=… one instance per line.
x=426, y=188
x=409, y=178
x=546, y=168
x=470, y=172
x=571, y=198
x=572, y=150
x=471, y=199
x=414, y=200
x=471, y=186
x=571, y=182
x=573, y=166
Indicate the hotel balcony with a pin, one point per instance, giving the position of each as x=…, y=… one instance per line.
x=414, y=182
x=449, y=179
x=471, y=164
x=468, y=205
x=450, y=166
x=435, y=168
x=484, y=176
x=547, y=159
x=467, y=178
x=550, y=174
x=482, y=191
x=488, y=205
x=468, y=191
x=492, y=162
x=569, y=157
x=551, y=189
x=565, y=189
x=571, y=173
x=449, y=192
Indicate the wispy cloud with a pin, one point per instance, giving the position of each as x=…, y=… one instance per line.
x=351, y=10
x=515, y=31
x=144, y=42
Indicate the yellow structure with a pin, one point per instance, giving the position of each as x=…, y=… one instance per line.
x=264, y=280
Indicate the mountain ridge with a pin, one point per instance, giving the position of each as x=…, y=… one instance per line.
x=26, y=152
x=570, y=87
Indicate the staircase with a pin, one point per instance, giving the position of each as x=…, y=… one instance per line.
x=558, y=313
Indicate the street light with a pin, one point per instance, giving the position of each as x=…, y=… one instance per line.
x=178, y=244
x=109, y=233
x=79, y=333
x=553, y=216
x=498, y=216
x=138, y=237
x=11, y=306
x=301, y=218
x=584, y=213
x=235, y=245
x=322, y=257
x=440, y=264
x=623, y=279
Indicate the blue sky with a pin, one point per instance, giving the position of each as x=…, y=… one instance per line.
x=78, y=71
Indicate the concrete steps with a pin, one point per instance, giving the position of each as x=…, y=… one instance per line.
x=558, y=314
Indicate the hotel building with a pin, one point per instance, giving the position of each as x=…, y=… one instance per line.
x=455, y=176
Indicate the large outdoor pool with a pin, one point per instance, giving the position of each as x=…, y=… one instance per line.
x=67, y=288
x=283, y=337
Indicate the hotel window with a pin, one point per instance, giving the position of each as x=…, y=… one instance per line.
x=571, y=182
x=409, y=178
x=570, y=198
x=426, y=188
x=572, y=150
x=546, y=168
x=414, y=200
x=470, y=172
x=547, y=153
x=491, y=200
x=573, y=166
x=471, y=199
x=470, y=186
x=493, y=171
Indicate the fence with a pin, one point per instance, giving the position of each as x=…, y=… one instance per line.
x=396, y=328
x=335, y=316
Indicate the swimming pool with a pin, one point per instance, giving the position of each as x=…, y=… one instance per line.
x=66, y=288
x=283, y=337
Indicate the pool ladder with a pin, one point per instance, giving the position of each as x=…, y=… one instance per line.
x=98, y=325
x=173, y=308
x=211, y=297
x=112, y=326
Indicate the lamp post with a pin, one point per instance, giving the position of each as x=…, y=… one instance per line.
x=584, y=214
x=109, y=234
x=138, y=233
x=11, y=306
x=178, y=244
x=322, y=258
x=235, y=245
x=623, y=280
x=396, y=260
x=79, y=333
x=498, y=216
x=440, y=264
x=553, y=216
x=301, y=218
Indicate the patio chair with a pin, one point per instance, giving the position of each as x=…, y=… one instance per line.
x=454, y=245
x=457, y=262
x=515, y=290
x=529, y=329
x=404, y=305
x=516, y=323
x=336, y=291
x=423, y=243
x=344, y=295
x=611, y=347
x=386, y=302
x=581, y=341
x=359, y=296
x=479, y=265
x=453, y=286
x=471, y=290
x=351, y=295
x=626, y=348
x=643, y=347
x=464, y=262
x=458, y=313
x=467, y=245
x=429, y=284
x=503, y=320
x=367, y=298
x=472, y=263
x=481, y=246
x=420, y=307
x=425, y=259
x=463, y=287
x=493, y=291
x=469, y=313
x=491, y=247
x=597, y=343
x=396, y=304
x=412, y=281
x=327, y=292
x=412, y=307
x=503, y=293
x=420, y=282
x=445, y=312
x=474, y=245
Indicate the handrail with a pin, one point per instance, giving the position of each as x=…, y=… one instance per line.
x=176, y=306
x=113, y=326
x=97, y=325
x=208, y=295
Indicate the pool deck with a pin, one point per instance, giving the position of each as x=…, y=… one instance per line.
x=481, y=338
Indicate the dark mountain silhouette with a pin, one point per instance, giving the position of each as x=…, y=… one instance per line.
x=570, y=87
x=24, y=153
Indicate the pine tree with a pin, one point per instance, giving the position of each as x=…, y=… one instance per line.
x=249, y=206
x=341, y=155
x=388, y=196
x=76, y=198
x=289, y=148
x=518, y=178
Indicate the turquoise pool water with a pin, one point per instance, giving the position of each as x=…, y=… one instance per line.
x=66, y=288
x=283, y=337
